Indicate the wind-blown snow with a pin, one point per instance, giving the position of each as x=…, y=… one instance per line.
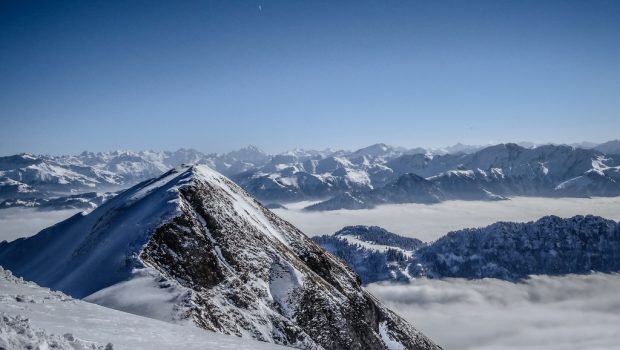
x=146, y=294
x=58, y=314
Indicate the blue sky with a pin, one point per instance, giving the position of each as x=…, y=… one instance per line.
x=218, y=75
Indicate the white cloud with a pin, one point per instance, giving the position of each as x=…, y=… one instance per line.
x=429, y=222
x=24, y=222
x=553, y=313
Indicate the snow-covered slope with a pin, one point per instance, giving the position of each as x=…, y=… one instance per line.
x=32, y=317
x=192, y=247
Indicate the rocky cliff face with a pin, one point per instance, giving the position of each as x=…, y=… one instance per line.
x=222, y=261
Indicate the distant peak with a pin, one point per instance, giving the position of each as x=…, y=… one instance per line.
x=251, y=148
x=249, y=153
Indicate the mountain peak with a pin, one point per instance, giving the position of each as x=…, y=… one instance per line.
x=205, y=252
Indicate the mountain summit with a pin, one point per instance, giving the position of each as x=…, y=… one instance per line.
x=193, y=247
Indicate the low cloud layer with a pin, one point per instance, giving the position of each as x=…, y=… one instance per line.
x=24, y=222
x=429, y=222
x=553, y=313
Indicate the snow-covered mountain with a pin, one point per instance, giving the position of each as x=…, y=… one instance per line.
x=492, y=173
x=192, y=247
x=504, y=250
x=374, y=253
x=69, y=181
x=114, y=170
x=87, y=200
x=361, y=178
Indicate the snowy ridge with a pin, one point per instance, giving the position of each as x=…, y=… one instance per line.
x=67, y=258
x=192, y=247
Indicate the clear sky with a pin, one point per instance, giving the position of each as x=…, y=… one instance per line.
x=218, y=75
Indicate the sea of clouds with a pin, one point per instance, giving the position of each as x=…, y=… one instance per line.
x=552, y=313
x=426, y=222
x=24, y=222
x=557, y=313
x=571, y=312
x=431, y=221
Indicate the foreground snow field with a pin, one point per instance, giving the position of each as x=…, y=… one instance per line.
x=431, y=221
x=57, y=314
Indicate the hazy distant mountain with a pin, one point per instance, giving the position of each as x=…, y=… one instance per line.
x=584, y=144
x=377, y=150
x=461, y=148
x=193, y=247
x=511, y=251
x=610, y=147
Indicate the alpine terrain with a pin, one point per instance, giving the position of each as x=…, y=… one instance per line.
x=504, y=250
x=364, y=178
x=191, y=247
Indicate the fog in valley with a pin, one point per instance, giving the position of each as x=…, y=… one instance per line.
x=24, y=222
x=429, y=222
x=571, y=312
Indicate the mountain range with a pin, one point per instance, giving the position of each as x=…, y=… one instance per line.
x=193, y=248
x=364, y=178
